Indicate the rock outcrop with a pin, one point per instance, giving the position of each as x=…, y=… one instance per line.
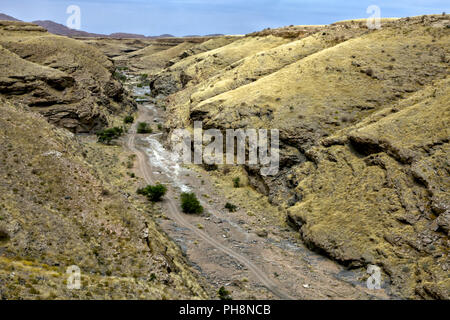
x=69, y=82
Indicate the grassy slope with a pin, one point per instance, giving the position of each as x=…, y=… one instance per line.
x=258, y=65
x=195, y=69
x=354, y=77
x=156, y=61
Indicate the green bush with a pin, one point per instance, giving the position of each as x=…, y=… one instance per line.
x=190, y=203
x=153, y=193
x=128, y=119
x=144, y=127
x=224, y=294
x=108, y=135
x=230, y=207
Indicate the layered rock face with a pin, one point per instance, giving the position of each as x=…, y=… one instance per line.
x=363, y=118
x=70, y=83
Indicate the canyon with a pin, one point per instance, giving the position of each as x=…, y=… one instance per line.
x=363, y=117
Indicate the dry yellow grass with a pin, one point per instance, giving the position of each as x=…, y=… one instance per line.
x=195, y=69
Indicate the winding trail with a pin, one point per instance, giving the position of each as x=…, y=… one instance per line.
x=175, y=213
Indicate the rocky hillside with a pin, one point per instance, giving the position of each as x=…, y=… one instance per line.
x=363, y=117
x=161, y=53
x=194, y=69
x=70, y=83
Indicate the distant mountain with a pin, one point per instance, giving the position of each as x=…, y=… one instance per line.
x=164, y=36
x=126, y=35
x=60, y=29
x=8, y=18
x=208, y=35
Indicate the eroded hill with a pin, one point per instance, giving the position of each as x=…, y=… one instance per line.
x=363, y=118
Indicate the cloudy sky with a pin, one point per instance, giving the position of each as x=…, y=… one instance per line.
x=188, y=17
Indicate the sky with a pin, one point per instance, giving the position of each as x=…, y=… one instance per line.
x=200, y=17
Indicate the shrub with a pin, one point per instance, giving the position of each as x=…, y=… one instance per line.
x=128, y=119
x=108, y=135
x=160, y=126
x=153, y=193
x=210, y=167
x=230, y=207
x=190, y=203
x=143, y=127
x=224, y=294
x=237, y=182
